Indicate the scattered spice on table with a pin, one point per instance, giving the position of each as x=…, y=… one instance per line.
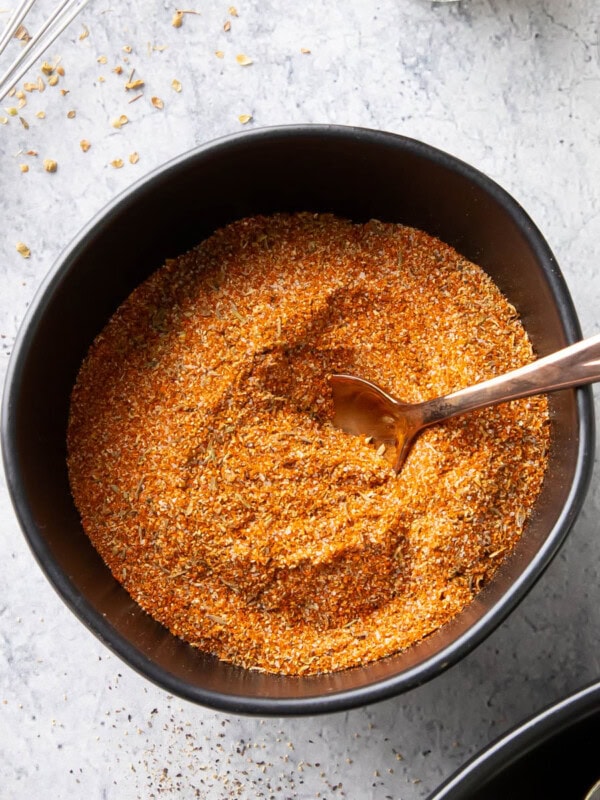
x=118, y=122
x=209, y=477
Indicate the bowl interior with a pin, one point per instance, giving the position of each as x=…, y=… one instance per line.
x=353, y=173
x=532, y=775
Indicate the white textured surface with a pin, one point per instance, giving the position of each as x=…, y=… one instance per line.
x=510, y=86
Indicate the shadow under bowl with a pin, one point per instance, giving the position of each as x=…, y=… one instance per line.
x=354, y=173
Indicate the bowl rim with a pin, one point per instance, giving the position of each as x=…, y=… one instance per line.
x=336, y=700
x=536, y=730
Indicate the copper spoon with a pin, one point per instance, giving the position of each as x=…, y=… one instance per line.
x=362, y=407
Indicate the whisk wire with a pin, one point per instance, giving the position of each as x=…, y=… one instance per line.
x=62, y=16
x=13, y=23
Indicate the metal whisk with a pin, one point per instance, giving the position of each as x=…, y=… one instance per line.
x=59, y=19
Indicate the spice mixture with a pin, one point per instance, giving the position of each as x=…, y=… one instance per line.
x=208, y=474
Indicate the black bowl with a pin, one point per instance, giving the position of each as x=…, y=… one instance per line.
x=359, y=174
x=552, y=755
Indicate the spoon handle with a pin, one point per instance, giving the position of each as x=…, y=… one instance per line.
x=572, y=366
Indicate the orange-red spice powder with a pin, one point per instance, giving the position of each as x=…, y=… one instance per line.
x=208, y=475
